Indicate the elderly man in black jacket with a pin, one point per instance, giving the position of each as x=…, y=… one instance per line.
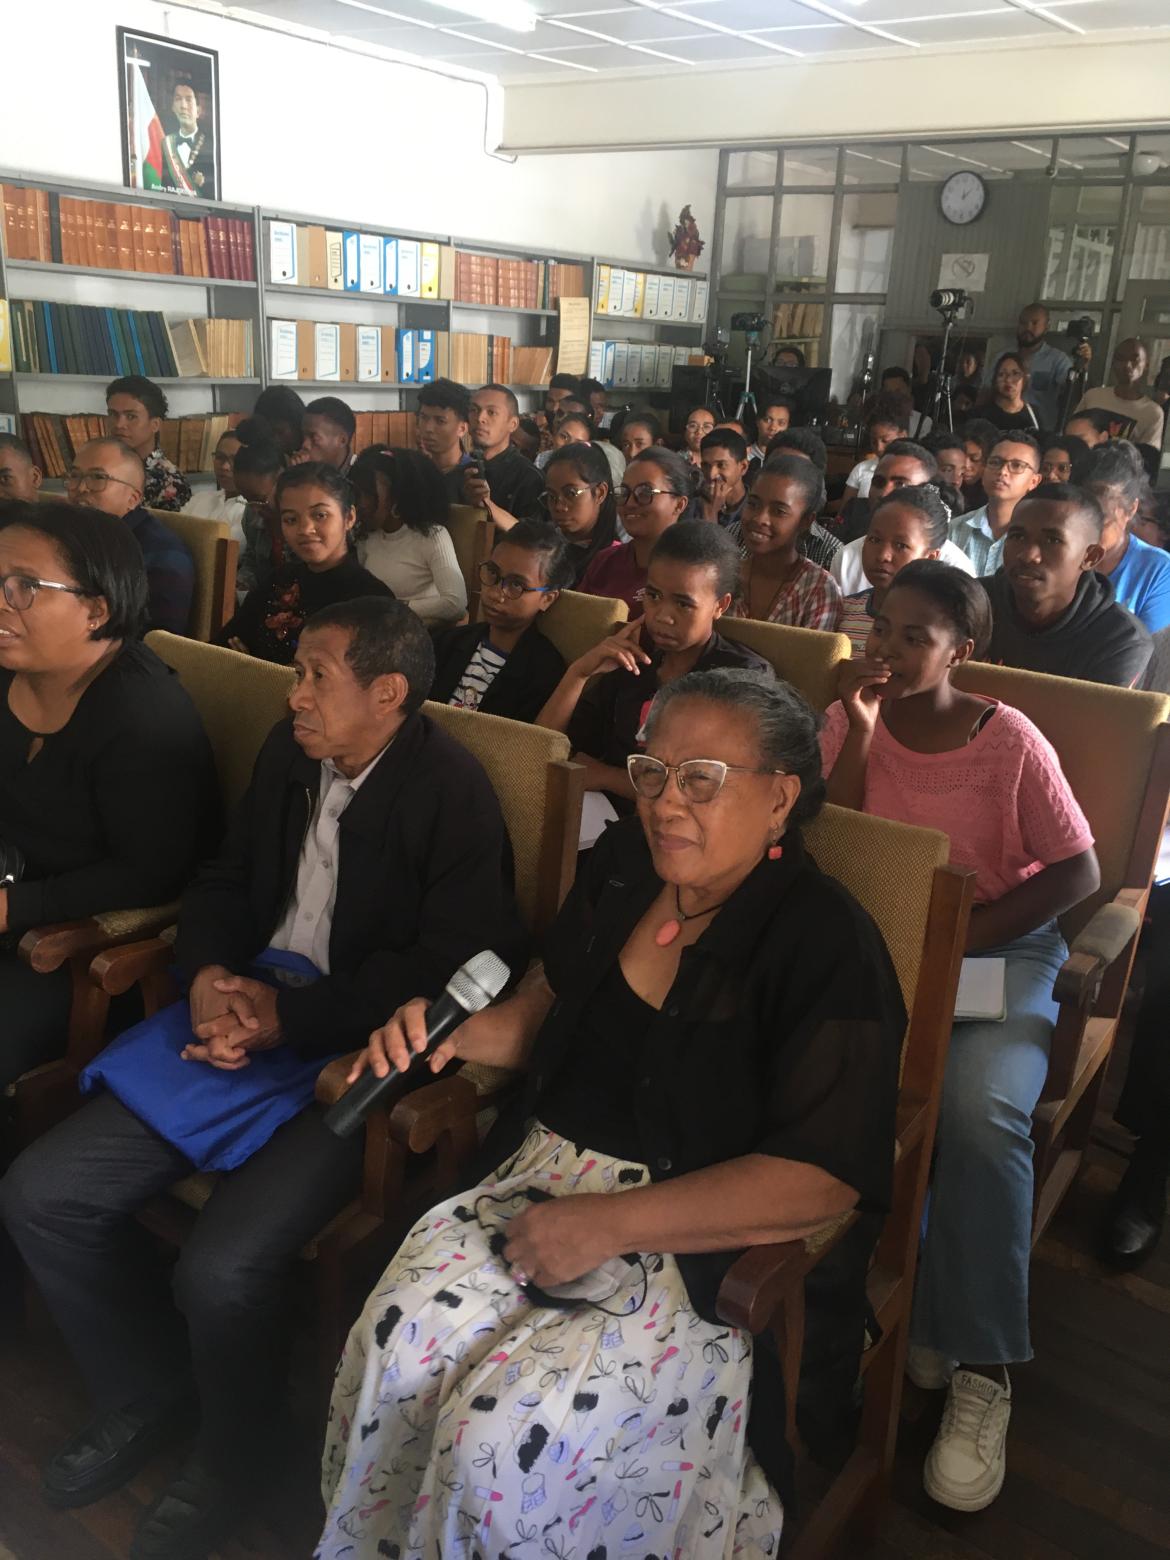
x=372, y=844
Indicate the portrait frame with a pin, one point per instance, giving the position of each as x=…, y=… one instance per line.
x=160, y=80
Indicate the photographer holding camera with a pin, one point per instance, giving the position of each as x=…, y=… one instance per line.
x=1047, y=367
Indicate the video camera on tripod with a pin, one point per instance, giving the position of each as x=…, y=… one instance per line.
x=950, y=302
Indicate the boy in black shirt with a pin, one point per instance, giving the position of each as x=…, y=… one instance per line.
x=443, y=411
x=510, y=486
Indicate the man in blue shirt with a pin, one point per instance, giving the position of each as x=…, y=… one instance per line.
x=1048, y=367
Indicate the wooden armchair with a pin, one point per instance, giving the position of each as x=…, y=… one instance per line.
x=1114, y=747
x=921, y=906
x=540, y=796
x=473, y=535
x=239, y=699
x=804, y=657
x=216, y=554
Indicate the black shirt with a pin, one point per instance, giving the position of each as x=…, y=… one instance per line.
x=515, y=484
x=115, y=810
x=611, y=712
x=522, y=686
x=781, y=1035
x=270, y=618
x=1097, y=639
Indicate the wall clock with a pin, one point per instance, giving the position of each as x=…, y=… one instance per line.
x=963, y=198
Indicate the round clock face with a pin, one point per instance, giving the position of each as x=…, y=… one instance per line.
x=963, y=197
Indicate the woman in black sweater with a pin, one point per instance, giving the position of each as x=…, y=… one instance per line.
x=317, y=518
x=107, y=786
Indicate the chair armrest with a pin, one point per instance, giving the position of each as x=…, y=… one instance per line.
x=47, y=948
x=1098, y=945
x=753, y=1285
x=421, y=1118
x=331, y=1080
x=117, y=969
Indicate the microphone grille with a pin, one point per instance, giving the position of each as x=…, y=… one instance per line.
x=479, y=981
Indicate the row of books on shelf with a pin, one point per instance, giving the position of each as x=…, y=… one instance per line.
x=650, y=295
x=381, y=354
x=117, y=236
x=794, y=321
x=343, y=260
x=76, y=338
x=644, y=365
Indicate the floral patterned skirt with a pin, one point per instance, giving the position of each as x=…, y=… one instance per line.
x=467, y=1422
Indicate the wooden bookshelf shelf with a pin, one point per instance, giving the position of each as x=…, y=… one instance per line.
x=125, y=276
x=502, y=308
x=289, y=290
x=344, y=384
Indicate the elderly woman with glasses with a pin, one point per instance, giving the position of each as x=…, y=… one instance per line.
x=503, y=664
x=709, y=1061
x=106, y=778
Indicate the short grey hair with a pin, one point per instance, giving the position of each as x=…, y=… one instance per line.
x=787, y=726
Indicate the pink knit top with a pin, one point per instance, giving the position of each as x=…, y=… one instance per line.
x=1003, y=799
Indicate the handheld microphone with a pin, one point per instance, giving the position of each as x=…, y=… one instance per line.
x=472, y=987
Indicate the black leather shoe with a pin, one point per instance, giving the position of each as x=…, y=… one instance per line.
x=1133, y=1225
x=190, y=1517
x=108, y=1452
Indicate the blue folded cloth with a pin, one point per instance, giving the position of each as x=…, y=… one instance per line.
x=218, y=1119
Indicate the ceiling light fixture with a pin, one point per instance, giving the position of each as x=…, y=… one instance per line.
x=854, y=21
x=1046, y=15
x=515, y=15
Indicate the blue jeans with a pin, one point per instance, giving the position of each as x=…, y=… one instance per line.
x=971, y=1301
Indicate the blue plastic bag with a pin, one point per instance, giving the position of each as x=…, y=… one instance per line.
x=218, y=1119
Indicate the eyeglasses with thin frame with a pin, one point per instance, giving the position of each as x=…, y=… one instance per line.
x=699, y=779
x=644, y=493
x=20, y=590
x=1060, y=469
x=94, y=481
x=566, y=495
x=1016, y=467
x=513, y=585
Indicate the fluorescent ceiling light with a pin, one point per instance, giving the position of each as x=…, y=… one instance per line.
x=515, y=15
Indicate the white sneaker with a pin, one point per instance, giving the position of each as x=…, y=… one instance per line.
x=929, y=1369
x=965, y=1466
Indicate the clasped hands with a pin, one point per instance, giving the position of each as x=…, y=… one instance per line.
x=231, y=1015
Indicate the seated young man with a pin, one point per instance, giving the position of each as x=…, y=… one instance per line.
x=773, y=416
x=504, y=665
x=444, y=409
x=371, y=845
x=1010, y=473
x=603, y=699
x=20, y=476
x=327, y=433
x=1052, y=611
x=510, y=486
x=723, y=461
x=107, y=475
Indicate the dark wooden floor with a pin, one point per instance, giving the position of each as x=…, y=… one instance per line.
x=1089, y=1466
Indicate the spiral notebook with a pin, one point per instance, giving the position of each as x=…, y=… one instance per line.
x=982, y=992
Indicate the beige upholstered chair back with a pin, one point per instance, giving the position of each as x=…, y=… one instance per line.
x=215, y=554
x=473, y=535
x=889, y=869
x=522, y=762
x=804, y=657
x=1105, y=740
x=576, y=622
x=239, y=698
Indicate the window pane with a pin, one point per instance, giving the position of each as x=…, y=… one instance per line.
x=1149, y=259
x=853, y=333
x=802, y=253
x=1092, y=154
x=873, y=164
x=747, y=232
x=753, y=167
x=810, y=165
x=992, y=160
x=1082, y=232
x=798, y=324
x=866, y=243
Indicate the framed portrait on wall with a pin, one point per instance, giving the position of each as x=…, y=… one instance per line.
x=169, y=93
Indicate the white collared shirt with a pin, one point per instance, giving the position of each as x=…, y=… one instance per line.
x=307, y=924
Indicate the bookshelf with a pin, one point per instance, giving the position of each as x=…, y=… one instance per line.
x=635, y=349
x=179, y=293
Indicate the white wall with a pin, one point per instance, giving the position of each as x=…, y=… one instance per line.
x=1071, y=82
x=315, y=129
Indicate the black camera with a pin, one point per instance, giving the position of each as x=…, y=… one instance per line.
x=949, y=300
x=754, y=324
x=1081, y=330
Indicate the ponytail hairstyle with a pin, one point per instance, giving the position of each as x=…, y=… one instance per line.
x=958, y=596
x=259, y=453
x=926, y=499
x=590, y=465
